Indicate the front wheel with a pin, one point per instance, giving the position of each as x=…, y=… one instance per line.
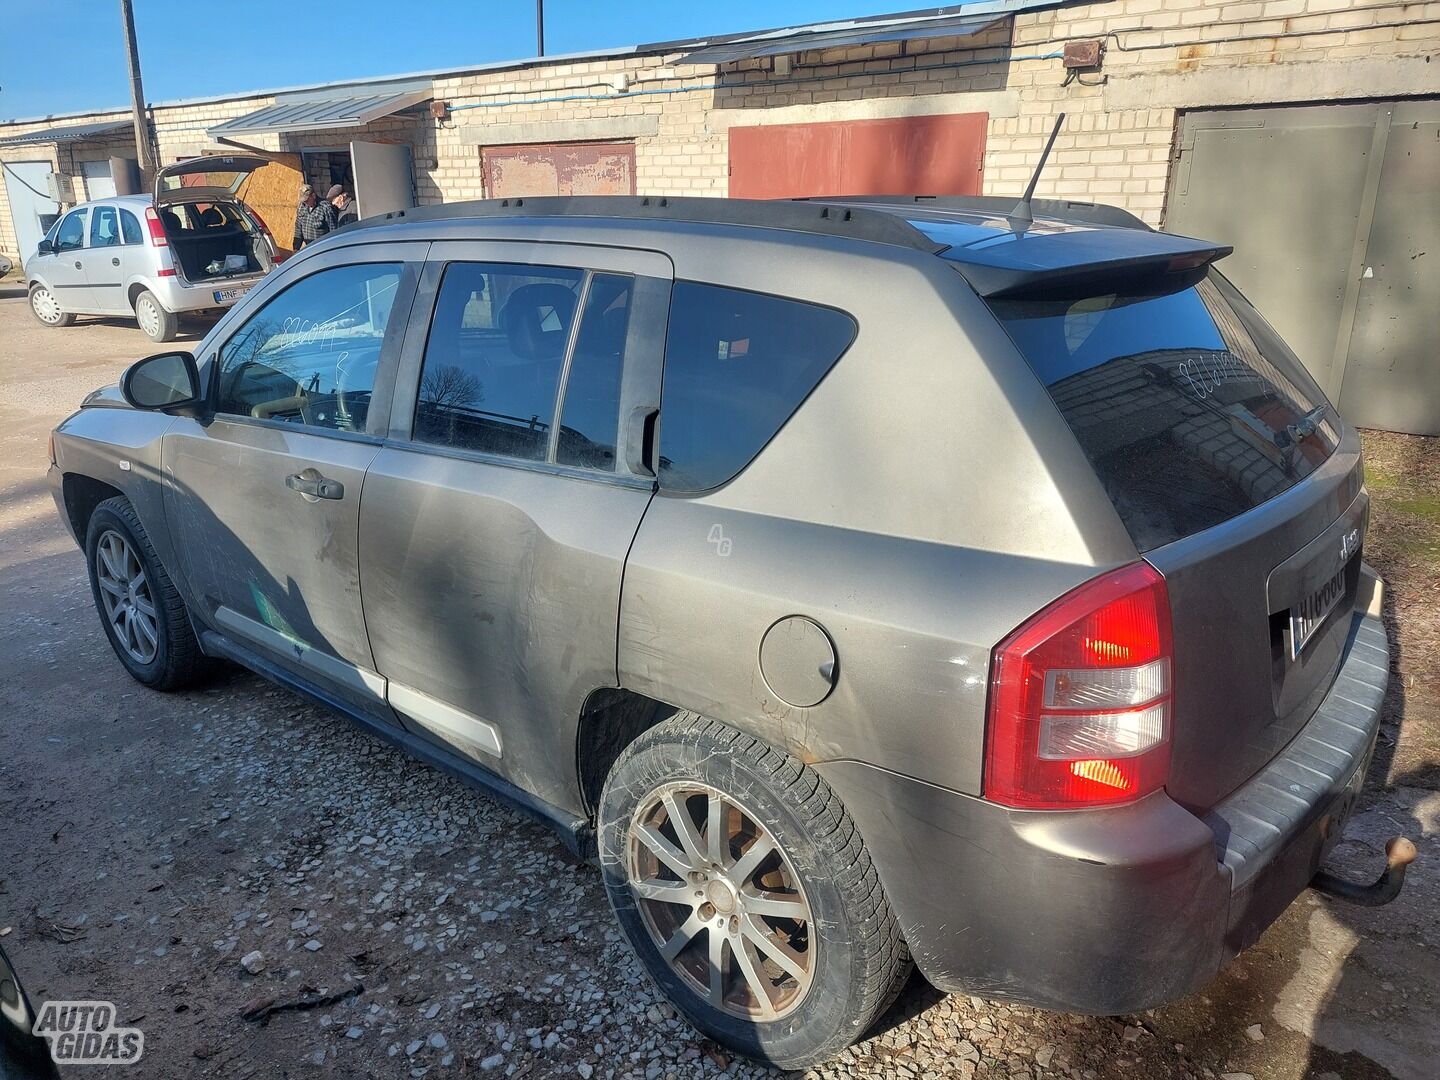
x=143, y=615
x=741, y=882
x=45, y=307
x=158, y=324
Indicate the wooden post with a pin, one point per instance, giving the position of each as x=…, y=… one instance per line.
x=137, y=98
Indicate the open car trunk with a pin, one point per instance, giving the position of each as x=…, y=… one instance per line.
x=215, y=240
x=212, y=234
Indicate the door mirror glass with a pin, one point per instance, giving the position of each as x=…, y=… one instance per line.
x=163, y=381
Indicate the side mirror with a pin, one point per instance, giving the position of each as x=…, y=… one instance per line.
x=45, y=248
x=161, y=382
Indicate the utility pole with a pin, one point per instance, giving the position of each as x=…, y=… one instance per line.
x=137, y=97
x=539, y=27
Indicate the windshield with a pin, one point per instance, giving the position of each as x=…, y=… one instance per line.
x=1188, y=405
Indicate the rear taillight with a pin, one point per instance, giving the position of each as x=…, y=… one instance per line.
x=1080, y=697
x=156, y=227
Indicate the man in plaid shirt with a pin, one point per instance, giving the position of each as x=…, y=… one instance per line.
x=313, y=218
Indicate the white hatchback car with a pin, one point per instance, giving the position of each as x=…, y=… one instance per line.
x=191, y=246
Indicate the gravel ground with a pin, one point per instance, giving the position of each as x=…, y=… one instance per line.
x=197, y=858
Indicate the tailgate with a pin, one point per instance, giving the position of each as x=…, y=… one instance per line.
x=1242, y=689
x=1235, y=479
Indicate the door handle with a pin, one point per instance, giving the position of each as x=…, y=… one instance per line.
x=115, y=261
x=315, y=486
x=78, y=266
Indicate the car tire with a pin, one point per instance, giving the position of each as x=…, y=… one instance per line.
x=46, y=308
x=158, y=323
x=823, y=992
x=140, y=609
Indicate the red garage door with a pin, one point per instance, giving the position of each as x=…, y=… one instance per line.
x=908, y=155
x=560, y=169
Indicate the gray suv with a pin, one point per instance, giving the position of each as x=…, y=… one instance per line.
x=857, y=581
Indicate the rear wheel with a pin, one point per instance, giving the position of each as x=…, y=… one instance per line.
x=45, y=307
x=140, y=609
x=742, y=884
x=158, y=324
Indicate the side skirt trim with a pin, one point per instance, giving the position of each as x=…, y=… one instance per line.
x=576, y=833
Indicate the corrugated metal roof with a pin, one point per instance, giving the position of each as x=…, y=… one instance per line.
x=321, y=113
x=792, y=39
x=63, y=134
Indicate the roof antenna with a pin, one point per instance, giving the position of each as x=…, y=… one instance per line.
x=1021, y=218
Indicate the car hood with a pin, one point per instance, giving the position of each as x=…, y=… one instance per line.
x=106, y=397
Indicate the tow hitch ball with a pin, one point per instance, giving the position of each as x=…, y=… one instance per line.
x=1399, y=853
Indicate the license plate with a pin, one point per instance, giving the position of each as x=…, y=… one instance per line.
x=230, y=295
x=1307, y=616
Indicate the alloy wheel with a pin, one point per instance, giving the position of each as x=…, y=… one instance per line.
x=721, y=901
x=45, y=305
x=125, y=594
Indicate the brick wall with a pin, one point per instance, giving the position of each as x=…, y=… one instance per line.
x=1162, y=56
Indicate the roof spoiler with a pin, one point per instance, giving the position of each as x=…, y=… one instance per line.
x=1073, y=265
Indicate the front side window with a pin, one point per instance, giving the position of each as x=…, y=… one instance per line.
x=737, y=365
x=309, y=355
x=494, y=357
x=104, y=227
x=71, y=234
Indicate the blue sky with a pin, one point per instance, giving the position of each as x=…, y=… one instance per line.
x=67, y=55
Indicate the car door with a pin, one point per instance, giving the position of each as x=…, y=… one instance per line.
x=264, y=489
x=492, y=538
x=65, y=269
x=101, y=259
x=136, y=260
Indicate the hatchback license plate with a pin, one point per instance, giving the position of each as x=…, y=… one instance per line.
x=229, y=296
x=1307, y=616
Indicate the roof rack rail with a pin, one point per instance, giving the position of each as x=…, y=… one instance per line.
x=855, y=223
x=1059, y=209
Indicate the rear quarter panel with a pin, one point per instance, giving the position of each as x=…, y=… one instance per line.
x=922, y=502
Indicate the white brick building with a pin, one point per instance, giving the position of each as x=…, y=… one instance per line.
x=971, y=108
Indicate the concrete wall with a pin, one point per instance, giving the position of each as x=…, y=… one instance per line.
x=1162, y=56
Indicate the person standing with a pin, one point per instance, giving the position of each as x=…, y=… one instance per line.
x=346, y=209
x=313, y=218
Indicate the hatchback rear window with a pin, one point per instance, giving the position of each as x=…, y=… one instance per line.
x=1188, y=405
x=737, y=365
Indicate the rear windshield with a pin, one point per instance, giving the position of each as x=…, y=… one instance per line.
x=1188, y=405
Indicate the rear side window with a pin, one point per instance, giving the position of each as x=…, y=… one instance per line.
x=1188, y=405
x=494, y=357
x=737, y=365
x=104, y=227
x=130, y=227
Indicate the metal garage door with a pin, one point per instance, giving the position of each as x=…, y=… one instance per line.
x=906, y=155
x=30, y=207
x=1334, y=212
x=99, y=184
x=560, y=169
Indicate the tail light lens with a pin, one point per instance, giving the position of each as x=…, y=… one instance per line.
x=156, y=227
x=1081, y=697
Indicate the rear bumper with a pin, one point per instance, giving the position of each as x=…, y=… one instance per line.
x=183, y=297
x=1116, y=910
